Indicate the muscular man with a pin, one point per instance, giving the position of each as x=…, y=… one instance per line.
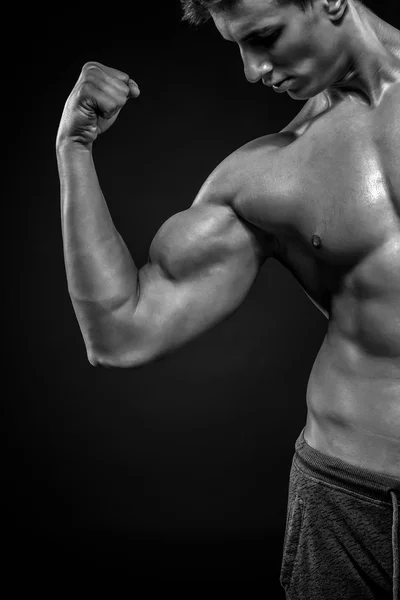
x=322, y=196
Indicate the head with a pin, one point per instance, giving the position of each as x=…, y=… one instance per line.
x=306, y=40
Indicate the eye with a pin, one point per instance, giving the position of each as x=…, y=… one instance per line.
x=270, y=39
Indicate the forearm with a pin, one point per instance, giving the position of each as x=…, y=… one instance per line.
x=101, y=274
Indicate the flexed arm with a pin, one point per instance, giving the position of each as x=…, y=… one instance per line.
x=202, y=261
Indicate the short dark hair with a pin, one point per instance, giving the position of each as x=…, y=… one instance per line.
x=198, y=11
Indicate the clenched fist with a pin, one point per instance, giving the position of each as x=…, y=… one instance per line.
x=94, y=103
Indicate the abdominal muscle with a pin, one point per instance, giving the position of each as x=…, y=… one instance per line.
x=353, y=394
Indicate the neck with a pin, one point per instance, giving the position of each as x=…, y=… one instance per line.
x=372, y=63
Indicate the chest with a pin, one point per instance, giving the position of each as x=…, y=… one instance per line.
x=337, y=185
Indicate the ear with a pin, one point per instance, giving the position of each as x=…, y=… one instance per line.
x=335, y=8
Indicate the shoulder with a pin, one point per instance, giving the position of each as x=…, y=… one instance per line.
x=220, y=205
x=252, y=176
x=238, y=174
x=242, y=172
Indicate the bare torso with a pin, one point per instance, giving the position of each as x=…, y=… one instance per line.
x=335, y=177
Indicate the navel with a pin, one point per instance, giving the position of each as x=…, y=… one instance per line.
x=316, y=242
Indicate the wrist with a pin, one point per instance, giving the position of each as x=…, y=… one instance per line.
x=67, y=145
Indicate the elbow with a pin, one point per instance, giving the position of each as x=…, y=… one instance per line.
x=100, y=362
x=111, y=362
x=97, y=360
x=123, y=348
x=119, y=361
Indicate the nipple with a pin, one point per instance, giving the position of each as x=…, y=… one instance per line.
x=316, y=241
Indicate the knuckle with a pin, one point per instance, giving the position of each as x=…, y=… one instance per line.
x=91, y=78
x=121, y=75
x=92, y=71
x=90, y=65
x=121, y=94
x=85, y=89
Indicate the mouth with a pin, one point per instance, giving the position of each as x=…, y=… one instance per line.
x=283, y=85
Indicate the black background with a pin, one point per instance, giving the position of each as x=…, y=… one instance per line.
x=177, y=470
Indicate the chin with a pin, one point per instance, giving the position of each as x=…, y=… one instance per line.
x=298, y=95
x=305, y=92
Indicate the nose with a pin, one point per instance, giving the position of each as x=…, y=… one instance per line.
x=255, y=66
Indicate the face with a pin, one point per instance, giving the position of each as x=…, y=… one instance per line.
x=279, y=41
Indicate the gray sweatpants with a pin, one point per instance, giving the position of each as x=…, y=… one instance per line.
x=341, y=540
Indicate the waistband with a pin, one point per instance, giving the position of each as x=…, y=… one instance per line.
x=338, y=472
x=362, y=481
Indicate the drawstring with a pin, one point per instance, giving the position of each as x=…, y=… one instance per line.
x=395, y=546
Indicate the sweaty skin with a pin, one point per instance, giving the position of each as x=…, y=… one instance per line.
x=339, y=235
x=332, y=179
x=322, y=196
